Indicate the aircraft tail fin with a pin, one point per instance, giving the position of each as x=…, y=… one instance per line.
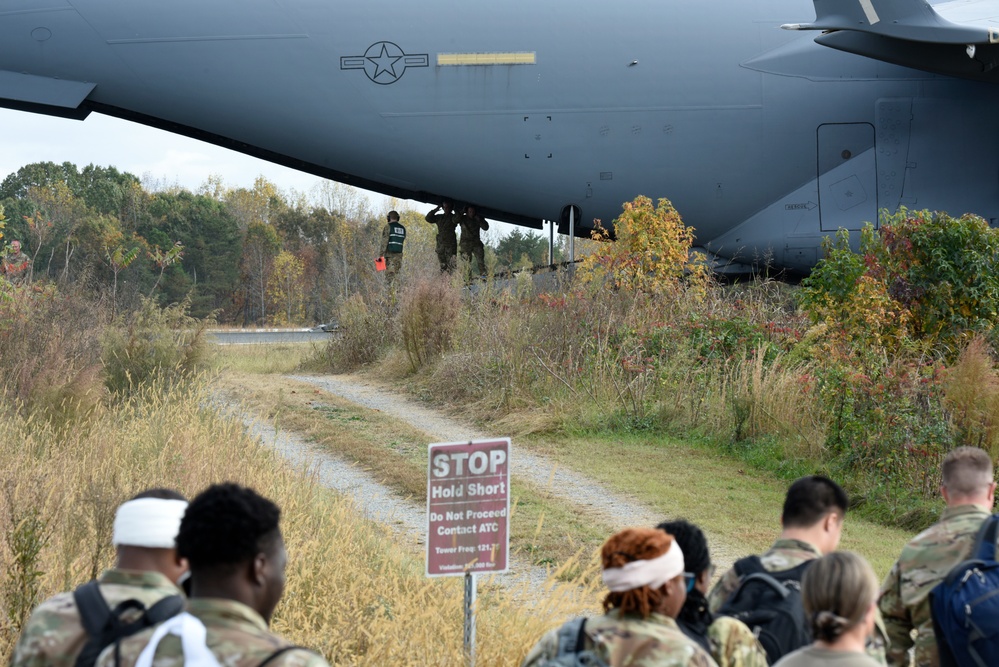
x=965, y=22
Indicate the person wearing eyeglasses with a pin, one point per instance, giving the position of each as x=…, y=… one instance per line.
x=729, y=641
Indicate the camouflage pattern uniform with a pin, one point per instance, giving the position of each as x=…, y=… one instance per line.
x=653, y=642
x=54, y=635
x=447, y=239
x=924, y=563
x=15, y=267
x=237, y=636
x=733, y=644
x=393, y=258
x=471, y=245
x=784, y=555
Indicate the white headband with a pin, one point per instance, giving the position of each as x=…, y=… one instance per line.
x=652, y=573
x=148, y=522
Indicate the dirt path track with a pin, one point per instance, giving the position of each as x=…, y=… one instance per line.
x=593, y=499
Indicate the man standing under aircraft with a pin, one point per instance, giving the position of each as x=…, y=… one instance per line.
x=471, y=245
x=447, y=240
x=393, y=237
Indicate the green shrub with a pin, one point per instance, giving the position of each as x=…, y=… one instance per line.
x=154, y=345
x=365, y=331
x=944, y=271
x=923, y=275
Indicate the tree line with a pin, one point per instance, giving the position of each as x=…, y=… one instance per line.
x=247, y=256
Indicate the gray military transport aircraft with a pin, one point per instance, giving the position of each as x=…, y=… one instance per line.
x=765, y=139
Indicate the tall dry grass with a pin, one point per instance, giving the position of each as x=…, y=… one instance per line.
x=711, y=359
x=50, y=352
x=971, y=394
x=428, y=314
x=353, y=592
x=774, y=398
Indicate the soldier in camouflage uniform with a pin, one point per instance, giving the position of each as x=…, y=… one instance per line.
x=839, y=595
x=230, y=536
x=968, y=490
x=643, y=569
x=471, y=245
x=812, y=524
x=447, y=240
x=15, y=264
x=54, y=635
x=729, y=641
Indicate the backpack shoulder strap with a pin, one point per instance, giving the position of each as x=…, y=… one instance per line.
x=748, y=565
x=572, y=636
x=94, y=610
x=793, y=574
x=163, y=609
x=985, y=542
x=763, y=578
x=281, y=651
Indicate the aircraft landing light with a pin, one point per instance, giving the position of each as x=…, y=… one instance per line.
x=449, y=59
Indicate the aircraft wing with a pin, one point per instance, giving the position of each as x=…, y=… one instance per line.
x=957, y=38
x=57, y=97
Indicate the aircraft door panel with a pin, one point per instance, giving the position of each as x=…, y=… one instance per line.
x=894, y=122
x=847, y=176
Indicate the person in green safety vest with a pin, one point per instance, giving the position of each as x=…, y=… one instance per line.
x=393, y=237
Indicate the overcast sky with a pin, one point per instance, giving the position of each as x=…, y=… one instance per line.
x=144, y=151
x=151, y=154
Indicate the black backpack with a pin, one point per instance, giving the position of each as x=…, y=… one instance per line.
x=770, y=604
x=104, y=625
x=572, y=651
x=965, y=606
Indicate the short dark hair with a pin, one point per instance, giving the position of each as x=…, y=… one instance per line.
x=693, y=544
x=227, y=524
x=393, y=215
x=162, y=494
x=810, y=499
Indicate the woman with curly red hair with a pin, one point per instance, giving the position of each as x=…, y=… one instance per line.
x=643, y=570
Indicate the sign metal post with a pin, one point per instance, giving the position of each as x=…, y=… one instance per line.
x=468, y=511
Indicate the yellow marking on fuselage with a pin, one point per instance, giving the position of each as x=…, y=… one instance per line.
x=448, y=59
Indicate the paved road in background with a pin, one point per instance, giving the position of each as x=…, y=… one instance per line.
x=261, y=336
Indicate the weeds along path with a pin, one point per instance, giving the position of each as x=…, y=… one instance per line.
x=589, y=496
x=405, y=517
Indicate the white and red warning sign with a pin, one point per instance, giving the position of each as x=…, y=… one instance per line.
x=468, y=507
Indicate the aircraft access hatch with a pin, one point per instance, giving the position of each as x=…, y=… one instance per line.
x=847, y=176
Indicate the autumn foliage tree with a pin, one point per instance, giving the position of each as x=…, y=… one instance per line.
x=286, y=291
x=651, y=252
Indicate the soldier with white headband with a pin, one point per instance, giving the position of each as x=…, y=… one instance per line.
x=232, y=538
x=643, y=569
x=72, y=628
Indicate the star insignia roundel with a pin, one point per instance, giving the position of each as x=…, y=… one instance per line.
x=384, y=62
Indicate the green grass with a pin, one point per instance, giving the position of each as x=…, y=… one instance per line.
x=262, y=359
x=690, y=480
